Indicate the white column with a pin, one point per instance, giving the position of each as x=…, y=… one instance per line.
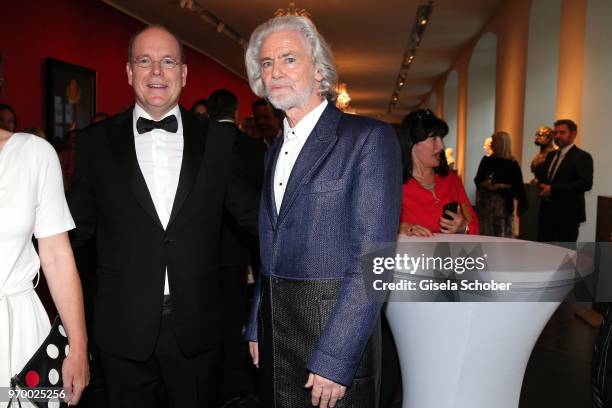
x=542, y=74
x=433, y=102
x=450, y=109
x=481, y=107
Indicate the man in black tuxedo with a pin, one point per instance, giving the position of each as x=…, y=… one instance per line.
x=238, y=253
x=152, y=184
x=564, y=177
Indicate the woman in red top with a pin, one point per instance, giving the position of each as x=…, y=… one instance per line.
x=428, y=183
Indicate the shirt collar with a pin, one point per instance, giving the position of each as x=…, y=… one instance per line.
x=566, y=149
x=139, y=112
x=304, y=126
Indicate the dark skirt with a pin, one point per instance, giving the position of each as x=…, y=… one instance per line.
x=494, y=216
x=292, y=316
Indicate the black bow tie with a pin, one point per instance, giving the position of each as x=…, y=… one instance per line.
x=169, y=124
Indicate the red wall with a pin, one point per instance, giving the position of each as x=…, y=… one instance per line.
x=92, y=34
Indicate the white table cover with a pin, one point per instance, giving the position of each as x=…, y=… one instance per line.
x=474, y=354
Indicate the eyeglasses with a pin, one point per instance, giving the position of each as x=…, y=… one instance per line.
x=165, y=63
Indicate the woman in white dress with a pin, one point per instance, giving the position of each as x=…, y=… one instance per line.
x=32, y=202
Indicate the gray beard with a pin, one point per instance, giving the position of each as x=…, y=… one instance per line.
x=296, y=100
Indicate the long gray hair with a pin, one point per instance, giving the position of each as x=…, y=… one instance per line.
x=320, y=53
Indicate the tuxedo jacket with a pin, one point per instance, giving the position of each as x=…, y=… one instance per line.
x=109, y=198
x=344, y=192
x=573, y=178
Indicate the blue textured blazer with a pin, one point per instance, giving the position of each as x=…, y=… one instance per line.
x=345, y=191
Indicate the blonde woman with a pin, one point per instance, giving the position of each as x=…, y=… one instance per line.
x=499, y=181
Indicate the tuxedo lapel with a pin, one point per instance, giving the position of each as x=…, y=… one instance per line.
x=123, y=148
x=269, y=201
x=194, y=140
x=317, y=147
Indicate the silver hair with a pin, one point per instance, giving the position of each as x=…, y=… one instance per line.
x=320, y=53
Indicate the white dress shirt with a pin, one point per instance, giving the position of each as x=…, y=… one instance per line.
x=160, y=154
x=559, y=156
x=293, y=141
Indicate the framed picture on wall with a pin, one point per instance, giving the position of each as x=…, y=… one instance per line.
x=70, y=97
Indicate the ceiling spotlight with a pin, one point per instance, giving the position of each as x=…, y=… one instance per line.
x=214, y=21
x=419, y=26
x=408, y=60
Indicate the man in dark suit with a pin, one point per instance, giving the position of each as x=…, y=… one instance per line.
x=563, y=179
x=239, y=253
x=268, y=121
x=332, y=184
x=152, y=184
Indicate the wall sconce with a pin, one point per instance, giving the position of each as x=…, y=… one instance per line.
x=343, y=99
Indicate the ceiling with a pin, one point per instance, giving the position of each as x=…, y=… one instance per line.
x=368, y=39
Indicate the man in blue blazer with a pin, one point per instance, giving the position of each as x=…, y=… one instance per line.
x=332, y=185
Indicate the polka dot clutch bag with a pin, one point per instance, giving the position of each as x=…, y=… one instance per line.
x=40, y=381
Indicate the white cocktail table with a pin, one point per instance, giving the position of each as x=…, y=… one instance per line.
x=474, y=354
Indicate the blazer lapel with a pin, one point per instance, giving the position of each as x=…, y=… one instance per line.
x=123, y=148
x=269, y=201
x=317, y=147
x=194, y=140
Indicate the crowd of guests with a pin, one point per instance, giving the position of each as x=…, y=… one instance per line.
x=562, y=171
x=430, y=184
x=287, y=199
x=500, y=188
